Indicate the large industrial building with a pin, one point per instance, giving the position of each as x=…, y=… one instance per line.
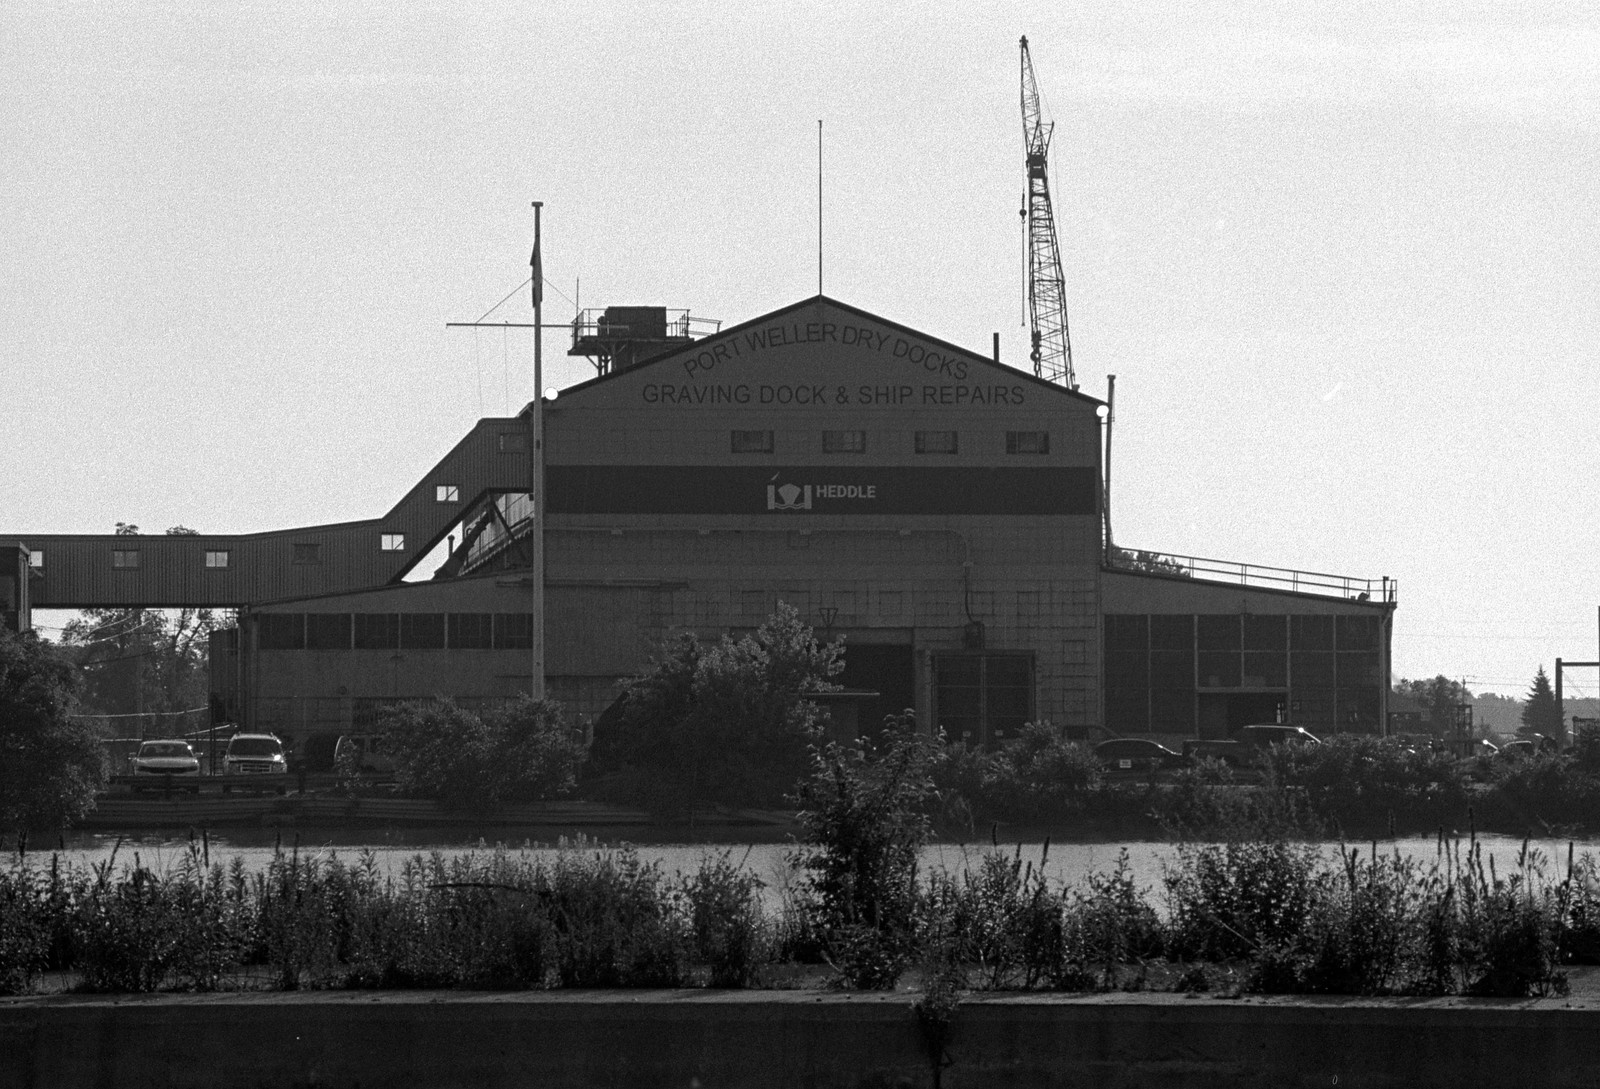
x=940, y=511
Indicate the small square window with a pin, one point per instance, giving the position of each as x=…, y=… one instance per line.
x=1027, y=442
x=125, y=558
x=936, y=442
x=36, y=559
x=447, y=493
x=307, y=553
x=752, y=442
x=512, y=441
x=844, y=442
x=217, y=557
x=392, y=542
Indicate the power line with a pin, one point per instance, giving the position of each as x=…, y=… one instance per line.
x=145, y=714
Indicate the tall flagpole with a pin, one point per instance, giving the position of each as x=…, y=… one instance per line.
x=536, y=468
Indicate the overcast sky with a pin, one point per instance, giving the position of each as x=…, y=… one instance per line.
x=1341, y=257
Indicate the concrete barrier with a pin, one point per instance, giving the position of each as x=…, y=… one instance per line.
x=800, y=1039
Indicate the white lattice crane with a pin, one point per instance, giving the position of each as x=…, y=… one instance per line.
x=1047, y=288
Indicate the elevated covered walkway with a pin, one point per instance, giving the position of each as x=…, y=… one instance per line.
x=80, y=571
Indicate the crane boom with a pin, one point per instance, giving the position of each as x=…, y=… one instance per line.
x=1047, y=287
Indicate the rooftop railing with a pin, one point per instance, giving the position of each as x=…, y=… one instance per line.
x=608, y=324
x=1382, y=589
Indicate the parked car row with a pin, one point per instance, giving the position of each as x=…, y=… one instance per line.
x=1245, y=747
x=157, y=762
x=1241, y=750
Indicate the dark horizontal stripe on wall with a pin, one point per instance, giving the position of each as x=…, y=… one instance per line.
x=822, y=489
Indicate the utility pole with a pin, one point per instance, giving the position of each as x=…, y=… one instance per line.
x=536, y=468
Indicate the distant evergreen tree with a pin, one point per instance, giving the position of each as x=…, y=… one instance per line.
x=1541, y=714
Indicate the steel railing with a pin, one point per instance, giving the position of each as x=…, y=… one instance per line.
x=1383, y=590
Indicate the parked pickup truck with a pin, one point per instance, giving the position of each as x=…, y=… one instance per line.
x=1246, y=746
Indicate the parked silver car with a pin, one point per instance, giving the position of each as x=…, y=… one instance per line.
x=165, y=758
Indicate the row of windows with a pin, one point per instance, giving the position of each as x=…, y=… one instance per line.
x=1235, y=633
x=394, y=631
x=128, y=559
x=1181, y=669
x=925, y=442
x=1162, y=672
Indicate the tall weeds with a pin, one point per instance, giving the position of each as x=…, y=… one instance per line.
x=1278, y=916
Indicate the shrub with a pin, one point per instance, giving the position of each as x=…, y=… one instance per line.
x=864, y=813
x=297, y=933
x=1231, y=900
x=1510, y=927
x=127, y=931
x=24, y=930
x=616, y=922
x=1207, y=803
x=219, y=923
x=1536, y=791
x=730, y=936
x=1112, y=922
x=1361, y=935
x=1039, y=775
x=521, y=751
x=726, y=723
x=1359, y=781
x=1012, y=922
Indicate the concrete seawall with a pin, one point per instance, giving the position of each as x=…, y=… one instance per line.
x=803, y=1039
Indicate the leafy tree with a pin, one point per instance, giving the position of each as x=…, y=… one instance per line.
x=726, y=723
x=1540, y=713
x=51, y=765
x=1439, y=698
x=143, y=660
x=1152, y=563
x=519, y=752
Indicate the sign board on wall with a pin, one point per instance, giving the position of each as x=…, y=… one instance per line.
x=864, y=490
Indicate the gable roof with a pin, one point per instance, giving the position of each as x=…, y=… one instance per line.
x=824, y=300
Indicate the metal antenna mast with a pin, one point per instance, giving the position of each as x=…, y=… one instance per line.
x=1047, y=288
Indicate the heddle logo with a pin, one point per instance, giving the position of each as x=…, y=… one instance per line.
x=788, y=496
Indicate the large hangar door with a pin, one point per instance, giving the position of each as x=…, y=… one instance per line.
x=888, y=669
